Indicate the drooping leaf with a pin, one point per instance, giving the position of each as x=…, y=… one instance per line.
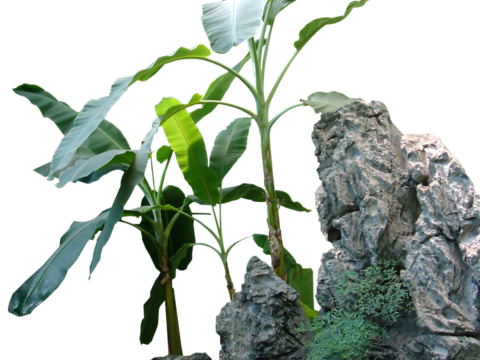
x=217, y=91
x=311, y=313
x=130, y=179
x=229, y=23
x=59, y=112
x=181, y=53
x=314, y=26
x=105, y=138
x=229, y=146
x=90, y=117
x=327, y=102
x=95, y=164
x=187, y=142
x=49, y=277
x=150, y=312
x=253, y=193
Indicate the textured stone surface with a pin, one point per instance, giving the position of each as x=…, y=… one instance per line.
x=196, y=356
x=262, y=319
x=385, y=195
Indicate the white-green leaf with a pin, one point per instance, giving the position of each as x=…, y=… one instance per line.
x=229, y=23
x=328, y=102
x=277, y=6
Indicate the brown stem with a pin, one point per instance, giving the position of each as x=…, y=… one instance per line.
x=230, y=286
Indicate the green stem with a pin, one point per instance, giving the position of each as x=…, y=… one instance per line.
x=262, y=34
x=230, y=286
x=267, y=47
x=272, y=122
x=143, y=231
x=173, y=329
x=279, y=80
x=248, y=112
x=257, y=71
x=162, y=180
x=153, y=173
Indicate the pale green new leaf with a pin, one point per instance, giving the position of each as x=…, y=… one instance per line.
x=130, y=179
x=314, y=26
x=253, y=193
x=229, y=146
x=327, y=102
x=187, y=142
x=181, y=53
x=164, y=153
x=49, y=277
x=229, y=23
x=167, y=112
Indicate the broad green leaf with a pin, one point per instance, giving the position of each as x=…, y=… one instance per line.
x=314, y=26
x=106, y=137
x=327, y=102
x=49, y=277
x=217, y=91
x=96, y=163
x=277, y=6
x=90, y=117
x=59, y=112
x=167, y=113
x=253, y=193
x=187, y=142
x=183, y=232
x=130, y=179
x=150, y=312
x=311, y=313
x=181, y=53
x=297, y=277
x=152, y=250
x=229, y=146
x=229, y=23
x=164, y=154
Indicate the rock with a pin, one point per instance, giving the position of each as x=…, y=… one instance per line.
x=261, y=321
x=384, y=195
x=196, y=356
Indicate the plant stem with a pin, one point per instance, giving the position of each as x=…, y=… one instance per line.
x=257, y=71
x=173, y=328
x=162, y=180
x=230, y=286
x=262, y=34
x=279, y=80
x=267, y=47
x=272, y=122
x=153, y=173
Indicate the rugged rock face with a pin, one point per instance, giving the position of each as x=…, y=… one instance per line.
x=385, y=195
x=262, y=319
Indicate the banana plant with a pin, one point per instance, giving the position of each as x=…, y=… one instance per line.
x=92, y=147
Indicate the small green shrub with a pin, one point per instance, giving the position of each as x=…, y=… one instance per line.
x=368, y=302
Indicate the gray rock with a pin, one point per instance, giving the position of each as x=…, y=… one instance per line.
x=384, y=195
x=196, y=356
x=261, y=321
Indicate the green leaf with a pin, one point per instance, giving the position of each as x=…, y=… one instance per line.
x=130, y=179
x=297, y=277
x=327, y=102
x=311, y=313
x=49, y=277
x=150, y=312
x=59, y=112
x=90, y=117
x=187, y=142
x=253, y=193
x=164, y=154
x=95, y=164
x=231, y=22
x=183, y=232
x=229, y=146
x=105, y=138
x=217, y=91
x=314, y=26
x=181, y=53
x=152, y=250
x=167, y=111
x=277, y=6
x=179, y=256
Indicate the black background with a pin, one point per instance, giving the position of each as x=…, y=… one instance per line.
x=406, y=57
